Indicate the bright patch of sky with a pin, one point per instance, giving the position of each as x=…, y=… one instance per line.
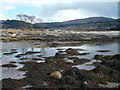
x=59, y=10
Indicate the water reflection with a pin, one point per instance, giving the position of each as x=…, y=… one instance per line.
x=12, y=73
x=44, y=51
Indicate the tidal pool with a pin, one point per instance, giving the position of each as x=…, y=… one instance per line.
x=45, y=51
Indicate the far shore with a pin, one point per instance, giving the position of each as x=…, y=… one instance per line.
x=54, y=35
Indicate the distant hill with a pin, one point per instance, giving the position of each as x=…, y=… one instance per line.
x=92, y=23
x=88, y=20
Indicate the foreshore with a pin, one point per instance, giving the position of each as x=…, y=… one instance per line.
x=66, y=68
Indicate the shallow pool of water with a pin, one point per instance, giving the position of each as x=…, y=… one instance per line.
x=23, y=47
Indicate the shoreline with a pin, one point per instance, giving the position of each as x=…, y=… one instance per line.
x=67, y=65
x=60, y=36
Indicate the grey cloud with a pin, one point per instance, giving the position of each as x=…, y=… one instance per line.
x=109, y=9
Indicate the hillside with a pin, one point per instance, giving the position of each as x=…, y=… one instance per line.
x=92, y=23
x=88, y=20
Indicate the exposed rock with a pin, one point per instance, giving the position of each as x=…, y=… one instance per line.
x=36, y=58
x=69, y=61
x=110, y=85
x=117, y=56
x=45, y=83
x=98, y=57
x=19, y=55
x=13, y=49
x=78, y=61
x=98, y=43
x=68, y=79
x=9, y=53
x=31, y=52
x=9, y=65
x=84, y=53
x=24, y=58
x=103, y=51
x=85, y=82
x=38, y=74
x=54, y=44
x=12, y=62
x=105, y=72
x=71, y=51
x=56, y=75
x=12, y=84
x=59, y=55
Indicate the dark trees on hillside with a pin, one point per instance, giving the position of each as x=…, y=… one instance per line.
x=29, y=22
x=16, y=24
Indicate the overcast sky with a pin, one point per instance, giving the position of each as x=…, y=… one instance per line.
x=59, y=10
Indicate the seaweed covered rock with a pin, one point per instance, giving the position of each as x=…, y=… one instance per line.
x=9, y=65
x=98, y=57
x=116, y=56
x=59, y=55
x=71, y=51
x=103, y=51
x=12, y=84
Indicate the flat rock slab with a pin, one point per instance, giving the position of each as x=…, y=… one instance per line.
x=110, y=85
x=9, y=65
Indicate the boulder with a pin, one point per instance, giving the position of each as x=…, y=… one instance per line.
x=56, y=75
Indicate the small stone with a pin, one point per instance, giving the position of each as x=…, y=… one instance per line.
x=45, y=83
x=56, y=75
x=85, y=82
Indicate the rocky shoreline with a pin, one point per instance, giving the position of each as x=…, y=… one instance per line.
x=59, y=36
x=62, y=71
x=56, y=73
